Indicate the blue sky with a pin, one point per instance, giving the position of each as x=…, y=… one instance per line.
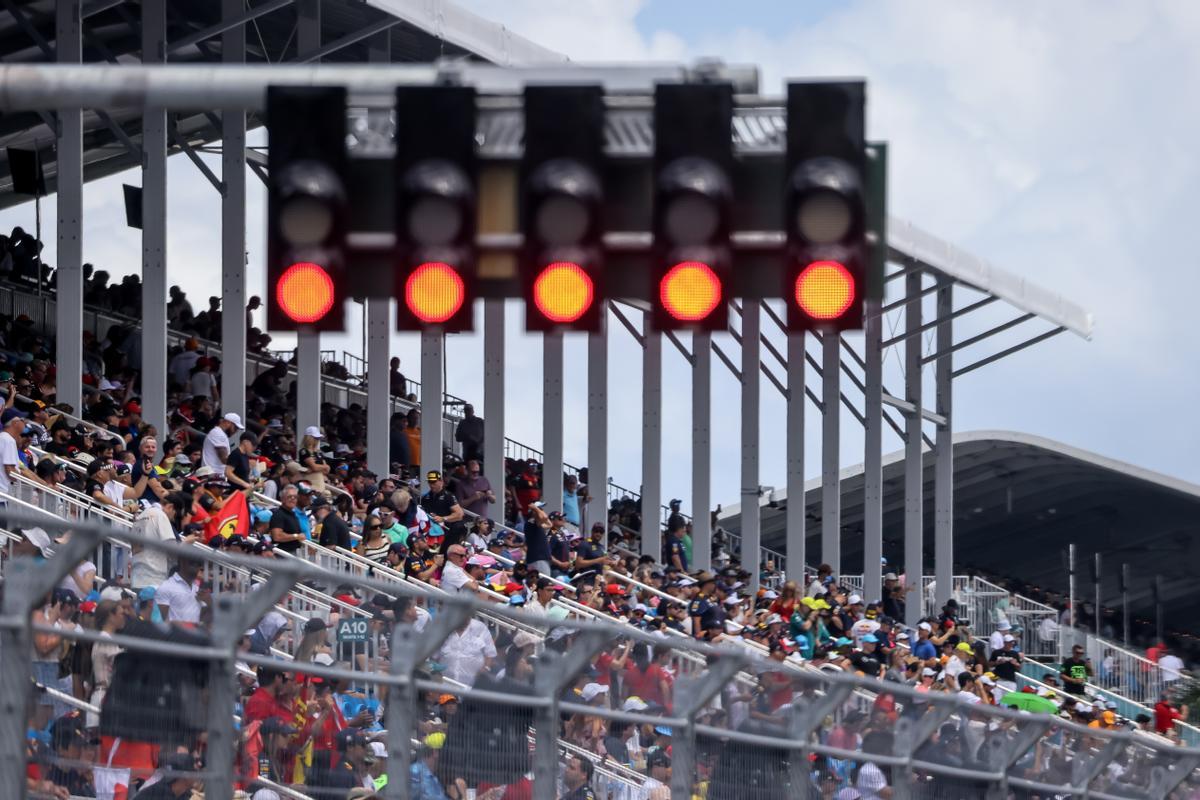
x=1055, y=140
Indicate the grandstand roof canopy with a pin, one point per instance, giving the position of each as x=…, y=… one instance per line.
x=1019, y=500
x=417, y=33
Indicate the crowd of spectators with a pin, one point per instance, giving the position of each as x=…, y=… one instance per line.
x=210, y=480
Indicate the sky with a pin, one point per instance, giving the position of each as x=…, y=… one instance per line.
x=1055, y=140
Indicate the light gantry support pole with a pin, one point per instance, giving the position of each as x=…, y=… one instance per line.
x=379, y=332
x=943, y=487
x=873, y=454
x=795, y=521
x=68, y=346
x=552, y=420
x=154, y=227
x=308, y=342
x=914, y=528
x=497, y=214
x=701, y=360
x=831, y=489
x=751, y=411
x=597, y=423
x=233, y=227
x=651, y=439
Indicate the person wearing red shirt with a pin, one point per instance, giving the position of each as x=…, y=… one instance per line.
x=270, y=699
x=1165, y=714
x=785, y=604
x=326, y=720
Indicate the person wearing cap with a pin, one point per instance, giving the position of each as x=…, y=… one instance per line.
x=674, y=554
x=422, y=776
x=350, y=771
x=332, y=530
x=701, y=608
x=1006, y=662
x=924, y=648
x=273, y=762
x=216, y=442
x=316, y=468
x=421, y=564
x=237, y=469
x=443, y=509
x=866, y=659
x=10, y=458
x=177, y=781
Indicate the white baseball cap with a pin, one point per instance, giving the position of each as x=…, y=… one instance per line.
x=634, y=703
x=314, y=431
x=925, y=626
x=854, y=599
x=235, y=419
x=593, y=690
x=1008, y=637
x=39, y=539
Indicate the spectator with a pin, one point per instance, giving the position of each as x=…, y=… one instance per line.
x=467, y=652
x=285, y=530
x=469, y=434
x=1166, y=713
x=216, y=443
x=1076, y=671
x=443, y=509
x=474, y=491
x=333, y=531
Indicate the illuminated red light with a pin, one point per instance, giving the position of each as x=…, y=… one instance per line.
x=305, y=292
x=434, y=292
x=690, y=291
x=563, y=292
x=825, y=290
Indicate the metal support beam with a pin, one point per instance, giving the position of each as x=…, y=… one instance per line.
x=983, y=362
x=69, y=275
x=693, y=693
x=701, y=450
x=553, y=673
x=493, y=396
x=308, y=380
x=751, y=413
x=410, y=649
x=795, y=521
x=909, y=408
x=651, y=439
x=831, y=489
x=629, y=326
x=928, y=326
x=432, y=389
x=232, y=615
x=379, y=395
x=378, y=311
x=552, y=420
x=308, y=362
x=154, y=228
x=873, y=455
x=1084, y=769
x=1165, y=781
x=228, y=24
x=943, y=451
x=233, y=230
x=955, y=347
x=913, y=488
x=382, y=26
x=597, y=425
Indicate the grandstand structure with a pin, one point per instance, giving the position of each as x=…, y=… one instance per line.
x=745, y=717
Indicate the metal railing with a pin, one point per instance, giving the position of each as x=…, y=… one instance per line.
x=793, y=744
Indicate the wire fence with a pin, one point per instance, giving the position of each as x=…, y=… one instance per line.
x=326, y=679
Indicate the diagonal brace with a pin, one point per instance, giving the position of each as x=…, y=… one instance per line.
x=1165, y=781
x=914, y=734
x=1085, y=770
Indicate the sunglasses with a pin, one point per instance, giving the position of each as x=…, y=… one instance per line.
x=374, y=527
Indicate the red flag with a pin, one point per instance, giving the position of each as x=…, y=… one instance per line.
x=233, y=517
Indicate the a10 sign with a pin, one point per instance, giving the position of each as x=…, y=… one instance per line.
x=352, y=630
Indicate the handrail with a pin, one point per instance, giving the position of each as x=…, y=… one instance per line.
x=89, y=505
x=565, y=586
x=70, y=464
x=105, y=432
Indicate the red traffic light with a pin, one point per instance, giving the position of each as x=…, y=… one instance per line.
x=825, y=290
x=563, y=292
x=690, y=291
x=305, y=292
x=434, y=292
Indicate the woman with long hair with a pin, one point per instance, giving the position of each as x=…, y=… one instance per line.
x=374, y=544
x=315, y=466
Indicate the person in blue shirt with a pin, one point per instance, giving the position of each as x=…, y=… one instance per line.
x=923, y=648
x=423, y=783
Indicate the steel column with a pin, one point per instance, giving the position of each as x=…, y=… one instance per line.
x=913, y=473
x=873, y=455
x=751, y=514
x=831, y=489
x=379, y=395
x=552, y=420
x=308, y=342
x=432, y=389
x=795, y=521
x=154, y=228
x=378, y=311
x=493, y=398
x=69, y=275
x=651, y=439
x=233, y=227
x=308, y=381
x=701, y=450
x=597, y=454
x=943, y=470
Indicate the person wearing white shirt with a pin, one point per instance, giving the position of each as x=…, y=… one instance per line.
x=996, y=640
x=454, y=576
x=1171, y=666
x=10, y=461
x=176, y=596
x=543, y=595
x=216, y=443
x=467, y=652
